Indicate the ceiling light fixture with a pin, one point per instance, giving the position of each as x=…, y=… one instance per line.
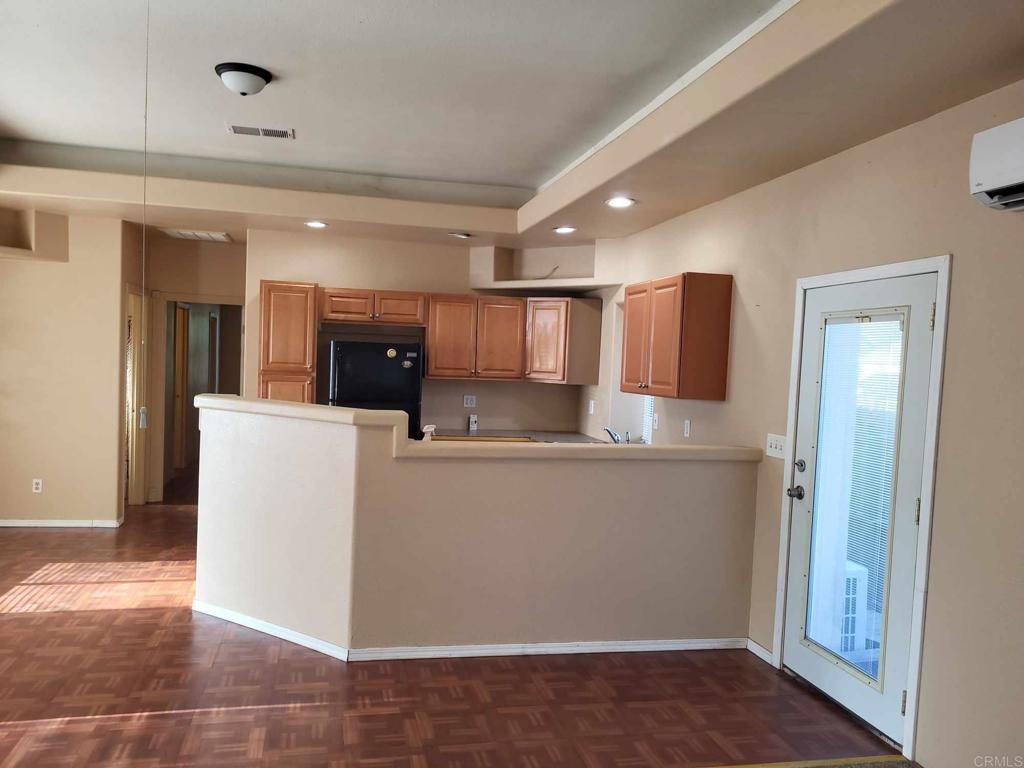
x=460, y=235
x=315, y=224
x=243, y=79
x=564, y=230
x=620, y=201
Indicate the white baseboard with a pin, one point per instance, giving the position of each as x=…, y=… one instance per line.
x=456, y=651
x=760, y=651
x=60, y=523
x=273, y=629
x=537, y=649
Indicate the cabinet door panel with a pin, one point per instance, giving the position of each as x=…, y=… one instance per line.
x=451, y=337
x=500, y=340
x=547, y=323
x=635, y=337
x=346, y=305
x=666, y=336
x=288, y=326
x=295, y=388
x=400, y=308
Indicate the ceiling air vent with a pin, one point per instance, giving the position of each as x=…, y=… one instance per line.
x=271, y=133
x=197, y=234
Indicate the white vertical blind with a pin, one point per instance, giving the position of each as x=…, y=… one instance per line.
x=648, y=434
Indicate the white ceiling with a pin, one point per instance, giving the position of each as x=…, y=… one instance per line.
x=494, y=92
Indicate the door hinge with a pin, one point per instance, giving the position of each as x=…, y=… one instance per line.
x=903, y=704
x=931, y=320
x=917, y=513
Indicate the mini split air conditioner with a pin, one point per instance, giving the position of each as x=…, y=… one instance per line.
x=997, y=166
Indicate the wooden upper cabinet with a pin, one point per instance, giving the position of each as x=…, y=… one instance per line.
x=707, y=314
x=451, y=337
x=500, y=339
x=676, y=336
x=665, y=332
x=563, y=340
x=547, y=322
x=636, y=322
x=346, y=305
x=287, y=326
x=353, y=305
x=400, y=308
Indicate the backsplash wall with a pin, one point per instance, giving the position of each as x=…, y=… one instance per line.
x=502, y=405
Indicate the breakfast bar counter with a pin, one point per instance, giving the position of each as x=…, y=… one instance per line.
x=329, y=527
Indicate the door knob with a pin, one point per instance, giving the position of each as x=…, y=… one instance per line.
x=795, y=493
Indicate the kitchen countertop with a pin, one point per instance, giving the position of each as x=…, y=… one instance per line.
x=404, y=449
x=537, y=436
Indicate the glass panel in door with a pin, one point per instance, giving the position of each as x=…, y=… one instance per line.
x=858, y=423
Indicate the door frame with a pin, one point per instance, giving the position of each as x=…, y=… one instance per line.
x=136, y=304
x=940, y=266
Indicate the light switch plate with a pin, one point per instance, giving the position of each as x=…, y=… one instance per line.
x=776, y=446
x=686, y=428
x=469, y=401
x=590, y=407
x=654, y=421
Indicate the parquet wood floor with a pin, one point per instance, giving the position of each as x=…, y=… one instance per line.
x=102, y=663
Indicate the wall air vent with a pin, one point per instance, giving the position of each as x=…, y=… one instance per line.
x=197, y=234
x=270, y=133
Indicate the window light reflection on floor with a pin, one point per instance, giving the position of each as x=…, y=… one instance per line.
x=103, y=587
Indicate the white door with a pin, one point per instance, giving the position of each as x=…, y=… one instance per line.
x=856, y=485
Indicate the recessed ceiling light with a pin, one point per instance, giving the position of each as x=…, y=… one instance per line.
x=564, y=230
x=460, y=235
x=620, y=201
x=315, y=224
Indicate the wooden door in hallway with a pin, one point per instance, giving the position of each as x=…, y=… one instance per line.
x=180, y=385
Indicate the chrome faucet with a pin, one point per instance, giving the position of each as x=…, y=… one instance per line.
x=615, y=436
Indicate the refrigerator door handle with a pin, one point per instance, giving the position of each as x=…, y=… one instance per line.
x=332, y=381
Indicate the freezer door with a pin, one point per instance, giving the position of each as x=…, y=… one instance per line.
x=375, y=372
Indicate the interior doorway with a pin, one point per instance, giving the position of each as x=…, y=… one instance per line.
x=204, y=355
x=864, y=395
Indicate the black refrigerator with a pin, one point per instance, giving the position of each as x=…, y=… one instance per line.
x=378, y=375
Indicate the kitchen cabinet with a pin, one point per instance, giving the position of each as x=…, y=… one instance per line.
x=346, y=305
x=294, y=387
x=636, y=314
x=287, y=339
x=451, y=337
x=351, y=305
x=563, y=340
x=500, y=337
x=400, y=308
x=475, y=337
x=676, y=336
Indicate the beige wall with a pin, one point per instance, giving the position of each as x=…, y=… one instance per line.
x=347, y=262
x=474, y=551
x=279, y=551
x=902, y=196
x=61, y=364
x=193, y=266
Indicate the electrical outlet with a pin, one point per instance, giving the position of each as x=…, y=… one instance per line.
x=654, y=421
x=469, y=401
x=775, y=446
x=590, y=407
x=37, y=485
x=686, y=428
